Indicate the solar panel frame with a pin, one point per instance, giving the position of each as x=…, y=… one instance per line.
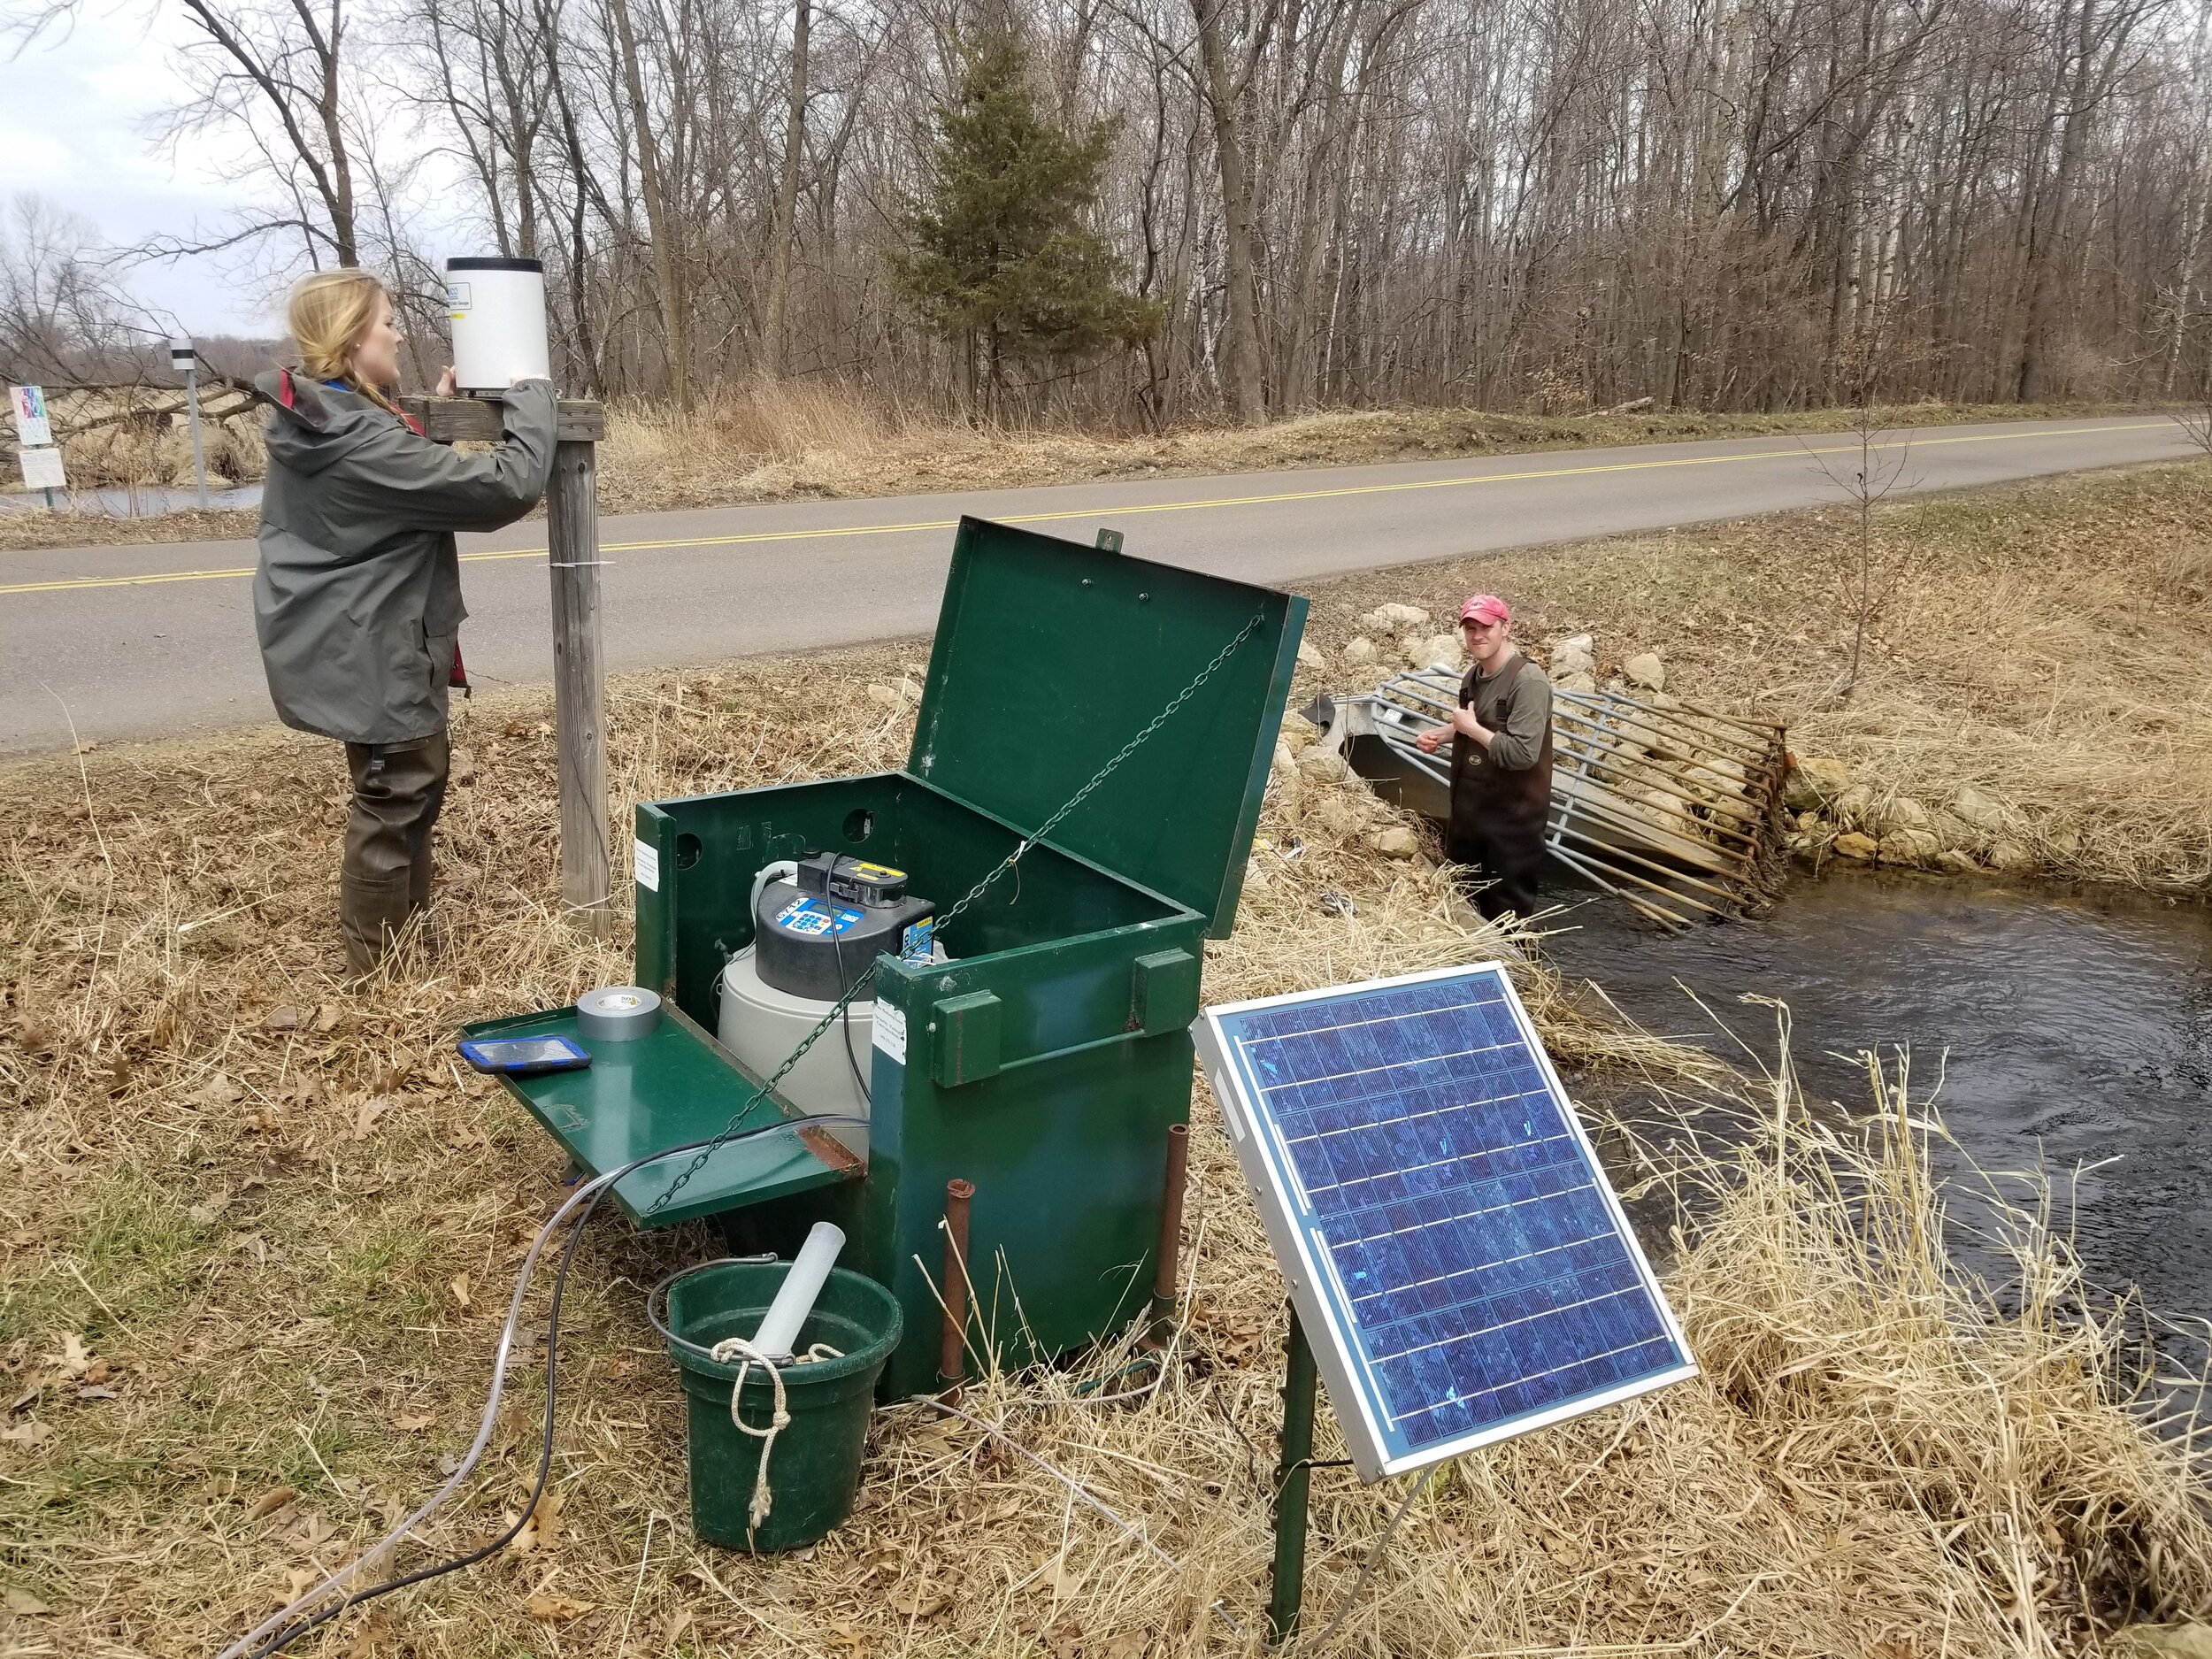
x=1323, y=1303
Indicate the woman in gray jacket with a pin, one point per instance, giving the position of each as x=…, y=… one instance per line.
x=357, y=601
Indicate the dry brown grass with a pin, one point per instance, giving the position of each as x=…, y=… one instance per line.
x=808, y=439
x=256, y=1225
x=2049, y=643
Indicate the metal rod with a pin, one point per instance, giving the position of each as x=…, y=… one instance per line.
x=1169, y=1258
x=1600, y=873
x=1293, y=1476
x=1619, y=814
x=951, y=1353
x=1608, y=852
x=1733, y=812
x=1669, y=893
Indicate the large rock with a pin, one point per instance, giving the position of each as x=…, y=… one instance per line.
x=1851, y=844
x=1323, y=765
x=1646, y=671
x=1341, y=816
x=1814, y=783
x=1718, y=777
x=1300, y=732
x=1577, y=654
x=1959, y=863
x=1439, y=650
x=2010, y=855
x=1310, y=656
x=1898, y=812
x=884, y=697
x=1985, y=812
x=1397, y=841
x=1582, y=681
x=1360, y=650
x=1912, y=846
x=1391, y=618
x=1851, y=808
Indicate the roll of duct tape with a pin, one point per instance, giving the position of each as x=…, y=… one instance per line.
x=618, y=1013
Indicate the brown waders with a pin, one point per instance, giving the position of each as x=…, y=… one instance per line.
x=1497, y=823
x=397, y=790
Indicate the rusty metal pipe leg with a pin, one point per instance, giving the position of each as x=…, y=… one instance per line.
x=1169, y=1258
x=951, y=1365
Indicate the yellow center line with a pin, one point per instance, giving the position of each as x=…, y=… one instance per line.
x=1798, y=452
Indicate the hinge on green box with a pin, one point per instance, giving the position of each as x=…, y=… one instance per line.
x=1163, y=992
x=966, y=1046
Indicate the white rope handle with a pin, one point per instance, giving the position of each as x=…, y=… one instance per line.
x=737, y=1349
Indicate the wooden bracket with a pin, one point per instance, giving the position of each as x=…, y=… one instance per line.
x=477, y=419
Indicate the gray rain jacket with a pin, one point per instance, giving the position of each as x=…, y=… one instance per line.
x=357, y=602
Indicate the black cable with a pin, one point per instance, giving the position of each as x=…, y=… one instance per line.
x=278, y=1643
x=837, y=944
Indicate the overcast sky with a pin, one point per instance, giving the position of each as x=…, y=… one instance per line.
x=75, y=113
x=73, y=117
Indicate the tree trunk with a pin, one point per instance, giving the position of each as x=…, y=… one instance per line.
x=659, y=218
x=1241, y=369
x=775, y=346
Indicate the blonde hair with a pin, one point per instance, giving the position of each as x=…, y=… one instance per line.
x=328, y=314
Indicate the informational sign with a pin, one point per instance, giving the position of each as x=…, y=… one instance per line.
x=28, y=405
x=41, y=469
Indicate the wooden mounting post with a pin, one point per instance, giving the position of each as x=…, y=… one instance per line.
x=580, y=699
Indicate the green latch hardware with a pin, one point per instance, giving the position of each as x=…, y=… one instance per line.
x=1163, y=992
x=966, y=1045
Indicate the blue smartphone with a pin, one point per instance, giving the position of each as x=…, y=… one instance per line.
x=524, y=1057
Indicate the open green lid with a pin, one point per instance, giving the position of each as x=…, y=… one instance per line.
x=1050, y=655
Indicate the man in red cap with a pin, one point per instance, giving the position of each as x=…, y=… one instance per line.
x=1501, y=762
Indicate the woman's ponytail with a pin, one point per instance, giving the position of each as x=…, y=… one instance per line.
x=330, y=312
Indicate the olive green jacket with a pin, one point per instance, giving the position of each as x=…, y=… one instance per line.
x=357, y=601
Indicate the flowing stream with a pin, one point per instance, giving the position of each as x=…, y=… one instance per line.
x=2071, y=1030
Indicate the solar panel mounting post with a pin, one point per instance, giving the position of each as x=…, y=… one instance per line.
x=1293, y=1476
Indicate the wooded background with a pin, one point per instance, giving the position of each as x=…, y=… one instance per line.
x=1548, y=204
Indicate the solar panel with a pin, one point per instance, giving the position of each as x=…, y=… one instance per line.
x=1461, y=1266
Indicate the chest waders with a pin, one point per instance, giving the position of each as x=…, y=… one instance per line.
x=1497, y=823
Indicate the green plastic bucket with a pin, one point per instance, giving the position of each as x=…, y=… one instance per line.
x=814, y=1468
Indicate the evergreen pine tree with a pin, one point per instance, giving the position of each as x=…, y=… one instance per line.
x=999, y=257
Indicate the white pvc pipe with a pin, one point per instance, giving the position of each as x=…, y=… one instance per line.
x=779, y=1333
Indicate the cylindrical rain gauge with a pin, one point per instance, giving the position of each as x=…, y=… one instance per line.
x=779, y=1334
x=497, y=307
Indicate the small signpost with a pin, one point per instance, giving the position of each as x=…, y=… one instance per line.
x=185, y=361
x=42, y=463
x=572, y=505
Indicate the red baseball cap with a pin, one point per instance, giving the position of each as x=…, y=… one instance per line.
x=1485, y=607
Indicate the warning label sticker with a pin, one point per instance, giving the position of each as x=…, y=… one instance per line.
x=648, y=860
x=891, y=1031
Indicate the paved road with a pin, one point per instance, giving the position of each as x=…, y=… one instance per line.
x=141, y=640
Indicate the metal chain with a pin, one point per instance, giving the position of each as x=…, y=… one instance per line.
x=699, y=1162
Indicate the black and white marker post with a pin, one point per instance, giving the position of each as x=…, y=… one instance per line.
x=185, y=361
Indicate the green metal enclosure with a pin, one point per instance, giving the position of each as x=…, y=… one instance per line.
x=1045, y=1060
